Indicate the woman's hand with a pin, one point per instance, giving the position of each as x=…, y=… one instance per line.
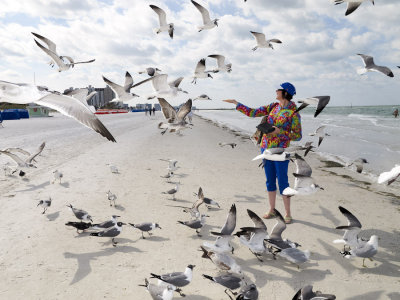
x=233, y=101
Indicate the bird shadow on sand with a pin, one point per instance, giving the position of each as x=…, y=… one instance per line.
x=370, y=295
x=178, y=200
x=393, y=296
x=317, y=226
x=32, y=187
x=65, y=184
x=246, y=198
x=181, y=175
x=84, y=259
x=326, y=213
x=53, y=216
x=197, y=297
x=153, y=238
x=334, y=253
x=119, y=207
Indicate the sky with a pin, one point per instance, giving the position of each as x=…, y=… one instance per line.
x=318, y=53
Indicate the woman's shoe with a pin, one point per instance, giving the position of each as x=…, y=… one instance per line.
x=288, y=220
x=269, y=215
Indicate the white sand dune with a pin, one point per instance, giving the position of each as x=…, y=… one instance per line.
x=41, y=258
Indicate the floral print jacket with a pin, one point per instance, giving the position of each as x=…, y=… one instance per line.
x=285, y=118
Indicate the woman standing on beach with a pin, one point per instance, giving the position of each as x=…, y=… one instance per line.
x=287, y=125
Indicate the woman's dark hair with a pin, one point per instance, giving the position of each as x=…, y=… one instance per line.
x=286, y=95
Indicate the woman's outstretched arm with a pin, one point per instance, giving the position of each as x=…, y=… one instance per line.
x=250, y=112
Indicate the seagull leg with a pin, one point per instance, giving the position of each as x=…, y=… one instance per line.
x=364, y=263
x=114, y=243
x=198, y=233
x=233, y=250
x=143, y=236
x=255, y=48
x=226, y=292
x=150, y=234
x=44, y=210
x=178, y=290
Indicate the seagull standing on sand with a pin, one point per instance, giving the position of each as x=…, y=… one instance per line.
x=262, y=42
x=80, y=214
x=359, y=163
x=176, y=119
x=111, y=232
x=122, y=93
x=106, y=224
x=200, y=71
x=171, y=164
x=248, y=292
x=389, y=176
x=222, y=67
x=319, y=101
x=21, y=93
x=222, y=243
x=159, y=292
x=45, y=204
x=145, y=227
x=111, y=197
x=176, y=279
x=57, y=176
x=164, y=26
x=196, y=224
x=202, y=97
x=207, y=22
x=229, y=281
x=352, y=5
x=370, y=66
x=304, y=184
x=320, y=133
x=306, y=293
x=173, y=191
x=223, y=261
x=56, y=58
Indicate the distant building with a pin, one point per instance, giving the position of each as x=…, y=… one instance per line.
x=103, y=96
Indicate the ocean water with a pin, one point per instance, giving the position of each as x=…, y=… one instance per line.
x=370, y=132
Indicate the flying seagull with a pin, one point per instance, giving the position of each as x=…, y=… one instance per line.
x=320, y=133
x=389, y=176
x=222, y=260
x=26, y=162
x=194, y=210
x=122, y=93
x=207, y=22
x=319, y=101
x=21, y=93
x=306, y=293
x=222, y=67
x=150, y=71
x=352, y=5
x=164, y=26
x=163, y=88
x=56, y=58
x=262, y=42
x=175, y=119
x=202, y=97
x=370, y=66
x=177, y=279
x=233, y=145
x=207, y=201
x=275, y=154
x=200, y=71
x=45, y=204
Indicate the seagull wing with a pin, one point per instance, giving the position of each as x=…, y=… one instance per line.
x=302, y=167
x=230, y=222
x=201, y=66
x=22, y=151
x=257, y=221
x=77, y=110
x=167, y=109
x=279, y=227
x=52, y=54
x=81, y=62
x=49, y=43
x=220, y=60
x=260, y=37
x=79, y=94
x=16, y=158
x=200, y=194
x=184, y=110
x=322, y=102
x=128, y=82
x=162, y=16
x=176, y=82
x=384, y=70
x=204, y=13
x=119, y=90
x=352, y=220
x=275, y=41
x=160, y=82
x=39, y=150
x=367, y=60
x=88, y=97
x=352, y=6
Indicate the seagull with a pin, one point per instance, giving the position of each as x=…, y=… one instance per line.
x=79, y=225
x=194, y=210
x=320, y=133
x=248, y=292
x=111, y=232
x=165, y=89
x=159, y=292
x=113, y=169
x=229, y=281
x=162, y=17
x=173, y=191
x=262, y=42
x=200, y=71
x=207, y=201
x=253, y=237
x=111, y=197
x=82, y=95
x=389, y=176
x=366, y=249
x=306, y=293
x=202, y=97
x=80, y=214
x=177, y=279
x=27, y=163
x=151, y=71
x=352, y=229
x=307, y=147
x=303, y=184
x=57, y=176
x=106, y=224
x=319, y=101
x=122, y=93
x=275, y=154
x=145, y=227
x=275, y=238
x=359, y=163
x=233, y=145
x=222, y=67
x=21, y=93
x=56, y=58
x=8, y=171
x=176, y=120
x=168, y=176
x=171, y=164
x=370, y=66
x=223, y=261
x=352, y=5
x=222, y=243
x=207, y=22
x=195, y=224
x=295, y=255
x=45, y=204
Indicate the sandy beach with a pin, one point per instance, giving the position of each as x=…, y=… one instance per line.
x=41, y=258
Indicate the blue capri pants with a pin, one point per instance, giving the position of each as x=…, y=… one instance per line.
x=274, y=170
